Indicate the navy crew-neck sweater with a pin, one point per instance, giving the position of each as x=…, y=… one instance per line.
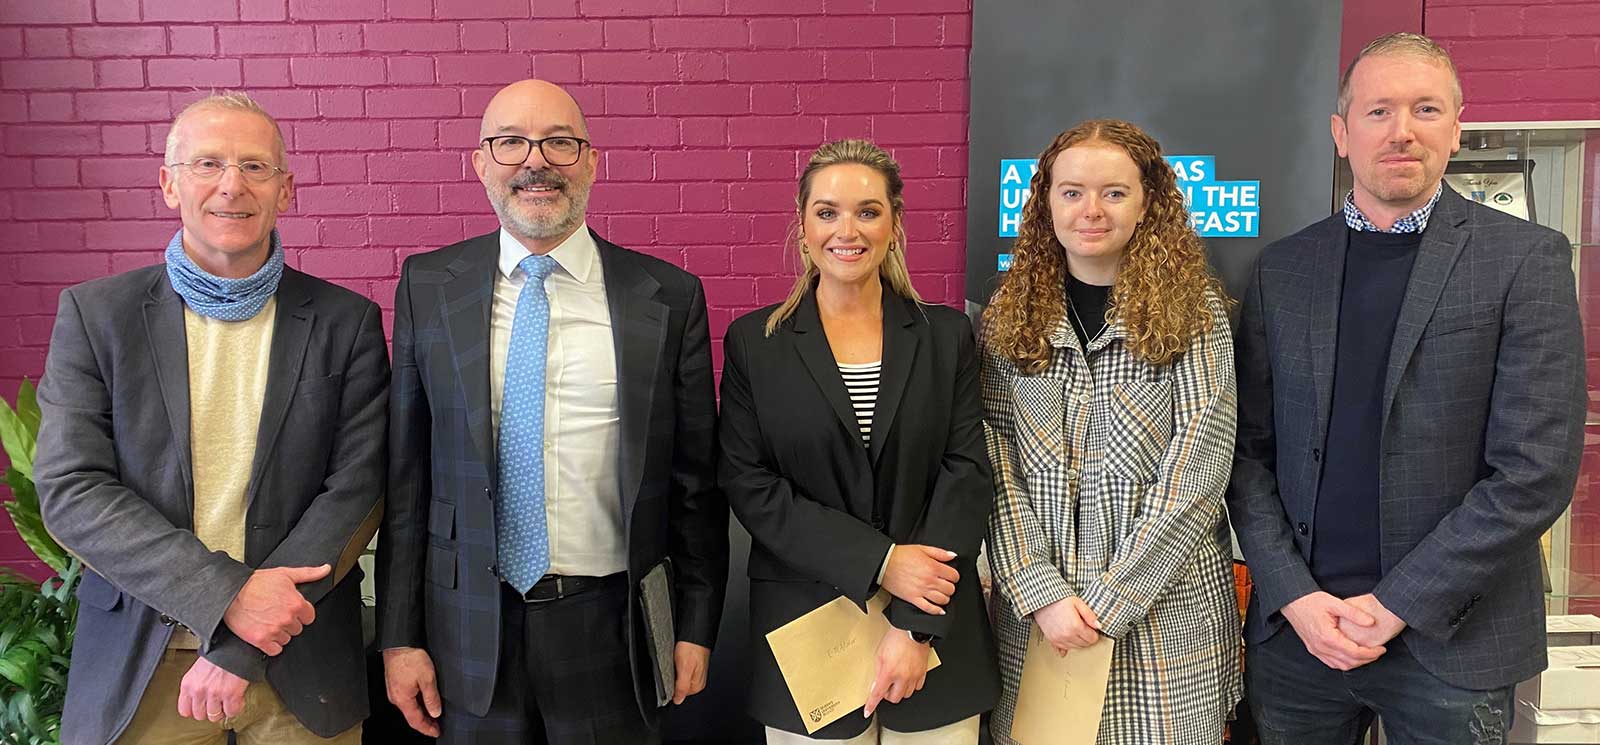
x=1345, y=542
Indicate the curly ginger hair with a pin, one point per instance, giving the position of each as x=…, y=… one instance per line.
x=1162, y=295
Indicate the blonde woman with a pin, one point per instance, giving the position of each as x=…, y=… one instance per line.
x=1108, y=380
x=852, y=450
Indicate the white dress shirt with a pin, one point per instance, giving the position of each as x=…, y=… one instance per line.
x=582, y=495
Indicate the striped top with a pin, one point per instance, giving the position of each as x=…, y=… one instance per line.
x=861, y=382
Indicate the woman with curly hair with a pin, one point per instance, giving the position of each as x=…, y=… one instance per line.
x=1108, y=382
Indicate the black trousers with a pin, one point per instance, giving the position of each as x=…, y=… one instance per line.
x=564, y=677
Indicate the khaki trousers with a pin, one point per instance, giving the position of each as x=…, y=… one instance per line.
x=262, y=721
x=964, y=732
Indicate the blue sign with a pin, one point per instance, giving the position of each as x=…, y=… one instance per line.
x=1217, y=209
x=1005, y=262
x=1015, y=175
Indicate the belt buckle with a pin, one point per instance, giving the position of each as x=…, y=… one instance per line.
x=529, y=597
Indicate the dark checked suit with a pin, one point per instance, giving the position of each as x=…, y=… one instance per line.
x=437, y=587
x=1482, y=426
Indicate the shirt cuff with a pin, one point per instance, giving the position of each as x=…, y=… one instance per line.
x=884, y=567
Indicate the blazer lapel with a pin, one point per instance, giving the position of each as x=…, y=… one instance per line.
x=899, y=356
x=1328, y=279
x=812, y=344
x=1442, y=242
x=638, y=333
x=291, y=332
x=168, y=340
x=468, y=297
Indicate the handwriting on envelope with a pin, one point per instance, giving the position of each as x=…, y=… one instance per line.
x=829, y=656
x=1060, y=698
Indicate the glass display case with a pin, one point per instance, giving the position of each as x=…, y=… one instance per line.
x=1547, y=172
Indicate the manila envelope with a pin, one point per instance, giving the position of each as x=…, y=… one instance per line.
x=1060, y=698
x=829, y=657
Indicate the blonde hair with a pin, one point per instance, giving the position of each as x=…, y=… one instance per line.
x=893, y=269
x=227, y=101
x=1163, y=287
x=1400, y=43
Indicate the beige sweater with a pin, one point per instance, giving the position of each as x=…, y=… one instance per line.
x=228, y=363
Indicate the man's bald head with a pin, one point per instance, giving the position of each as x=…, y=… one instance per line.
x=540, y=202
x=533, y=108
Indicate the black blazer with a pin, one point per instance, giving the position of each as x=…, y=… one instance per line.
x=437, y=587
x=822, y=510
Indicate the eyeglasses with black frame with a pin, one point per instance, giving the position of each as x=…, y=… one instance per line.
x=208, y=169
x=513, y=150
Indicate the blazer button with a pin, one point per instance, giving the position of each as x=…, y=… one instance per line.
x=493, y=569
x=1303, y=529
x=1316, y=455
x=167, y=620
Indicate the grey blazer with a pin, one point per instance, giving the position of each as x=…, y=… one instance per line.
x=1483, y=410
x=116, y=489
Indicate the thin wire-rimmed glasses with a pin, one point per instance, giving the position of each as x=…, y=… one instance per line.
x=513, y=150
x=209, y=169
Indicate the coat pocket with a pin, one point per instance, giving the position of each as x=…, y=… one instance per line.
x=442, y=566
x=1141, y=427
x=442, y=520
x=1038, y=410
x=95, y=592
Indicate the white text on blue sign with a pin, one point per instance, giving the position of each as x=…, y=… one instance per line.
x=1217, y=209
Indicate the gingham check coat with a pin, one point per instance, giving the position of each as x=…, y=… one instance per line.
x=1109, y=479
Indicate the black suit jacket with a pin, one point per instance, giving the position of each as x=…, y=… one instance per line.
x=116, y=488
x=822, y=510
x=437, y=588
x=1483, y=409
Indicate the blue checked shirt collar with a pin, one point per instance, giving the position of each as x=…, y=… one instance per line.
x=1412, y=223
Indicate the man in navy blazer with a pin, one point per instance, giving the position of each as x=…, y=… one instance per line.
x=1411, y=406
x=546, y=643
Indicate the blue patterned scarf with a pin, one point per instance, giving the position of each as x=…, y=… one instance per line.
x=219, y=297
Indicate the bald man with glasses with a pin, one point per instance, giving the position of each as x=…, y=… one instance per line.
x=212, y=447
x=552, y=447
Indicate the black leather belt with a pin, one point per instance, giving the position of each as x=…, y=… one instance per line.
x=556, y=586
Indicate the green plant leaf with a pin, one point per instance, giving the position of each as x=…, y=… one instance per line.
x=22, y=490
x=28, y=408
x=17, y=671
x=16, y=440
x=31, y=529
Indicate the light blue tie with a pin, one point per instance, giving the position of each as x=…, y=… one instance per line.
x=524, y=541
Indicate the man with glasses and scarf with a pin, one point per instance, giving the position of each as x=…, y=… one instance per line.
x=212, y=448
x=552, y=445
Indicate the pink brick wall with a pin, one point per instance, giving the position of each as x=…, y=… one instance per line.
x=704, y=111
x=1522, y=61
